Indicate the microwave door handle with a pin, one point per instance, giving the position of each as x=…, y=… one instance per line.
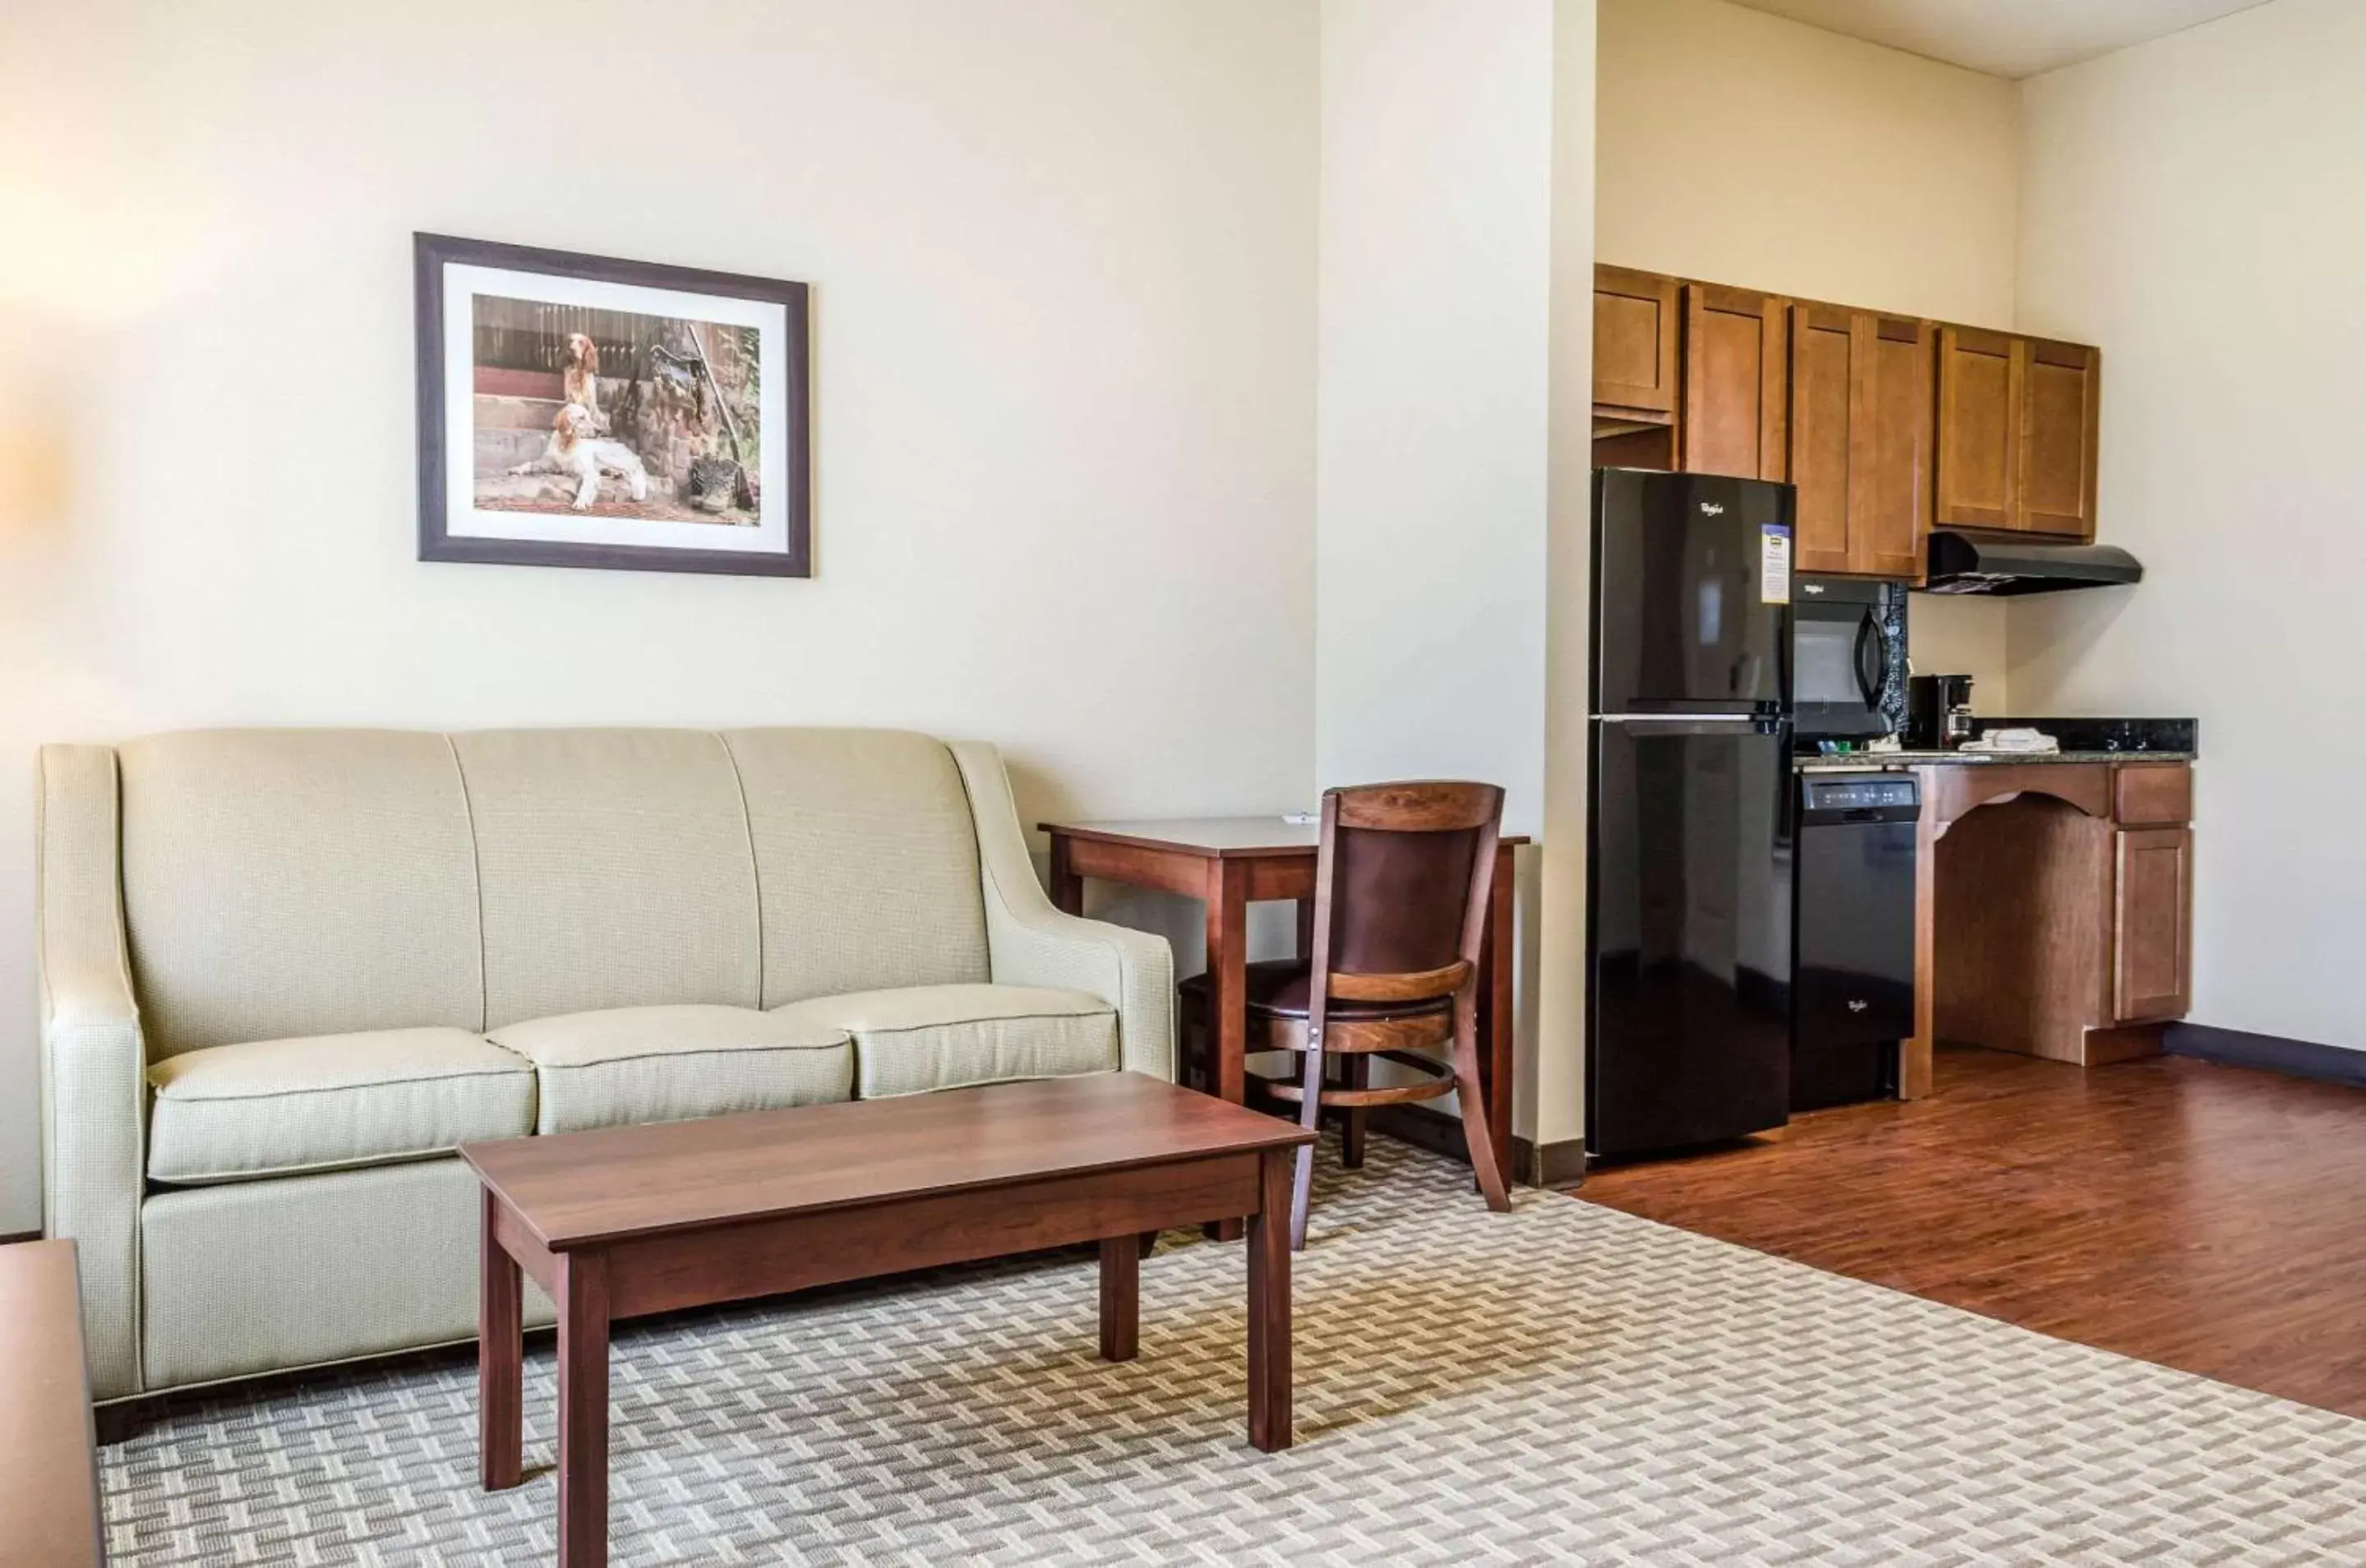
x=1869, y=682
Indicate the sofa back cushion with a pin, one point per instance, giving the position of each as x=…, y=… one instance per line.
x=866, y=861
x=616, y=870
x=297, y=882
x=290, y=883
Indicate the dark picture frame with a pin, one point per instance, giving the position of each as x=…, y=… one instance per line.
x=781, y=498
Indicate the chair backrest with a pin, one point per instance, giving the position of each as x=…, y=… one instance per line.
x=1400, y=889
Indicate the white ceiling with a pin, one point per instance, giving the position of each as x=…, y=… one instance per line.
x=2005, y=38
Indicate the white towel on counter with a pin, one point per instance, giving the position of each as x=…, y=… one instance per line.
x=2014, y=743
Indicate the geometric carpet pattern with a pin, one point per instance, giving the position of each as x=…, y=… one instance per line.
x=1560, y=1384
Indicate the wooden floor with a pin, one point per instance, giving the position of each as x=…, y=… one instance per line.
x=2202, y=1217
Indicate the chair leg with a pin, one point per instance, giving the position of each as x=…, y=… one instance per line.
x=1310, y=1116
x=1356, y=1069
x=1474, y=1107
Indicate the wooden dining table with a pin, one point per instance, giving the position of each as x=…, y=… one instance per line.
x=1230, y=863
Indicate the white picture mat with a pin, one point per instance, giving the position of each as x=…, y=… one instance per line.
x=464, y=283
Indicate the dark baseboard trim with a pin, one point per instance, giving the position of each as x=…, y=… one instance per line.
x=1533, y=1164
x=19, y=1236
x=2270, y=1053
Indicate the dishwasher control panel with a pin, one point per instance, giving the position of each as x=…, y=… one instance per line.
x=1886, y=797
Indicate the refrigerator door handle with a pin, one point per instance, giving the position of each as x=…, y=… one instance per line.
x=1684, y=717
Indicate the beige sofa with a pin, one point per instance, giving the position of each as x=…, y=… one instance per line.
x=284, y=973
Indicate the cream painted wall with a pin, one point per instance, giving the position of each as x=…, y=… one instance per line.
x=1429, y=536
x=1431, y=599
x=1748, y=149
x=1064, y=258
x=2193, y=205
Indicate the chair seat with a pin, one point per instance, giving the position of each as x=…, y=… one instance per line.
x=331, y=1101
x=1280, y=987
x=623, y=1066
x=917, y=1038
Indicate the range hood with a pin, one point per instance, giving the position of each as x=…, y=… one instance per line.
x=1990, y=563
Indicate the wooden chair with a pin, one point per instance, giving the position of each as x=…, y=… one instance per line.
x=1400, y=886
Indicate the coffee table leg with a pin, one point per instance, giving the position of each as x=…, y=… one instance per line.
x=501, y=1359
x=582, y=1411
x=1121, y=1296
x=1270, y=1305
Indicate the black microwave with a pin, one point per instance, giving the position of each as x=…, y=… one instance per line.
x=1848, y=658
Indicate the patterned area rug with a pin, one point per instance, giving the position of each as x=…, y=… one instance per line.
x=1562, y=1385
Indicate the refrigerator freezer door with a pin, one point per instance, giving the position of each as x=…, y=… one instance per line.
x=1688, y=1012
x=1692, y=584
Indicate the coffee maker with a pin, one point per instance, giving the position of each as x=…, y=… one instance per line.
x=1938, y=712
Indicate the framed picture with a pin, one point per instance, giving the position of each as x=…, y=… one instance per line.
x=580, y=411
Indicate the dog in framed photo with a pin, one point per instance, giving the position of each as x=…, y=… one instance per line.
x=580, y=382
x=576, y=451
x=641, y=417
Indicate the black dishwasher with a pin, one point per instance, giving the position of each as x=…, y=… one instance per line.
x=1852, y=956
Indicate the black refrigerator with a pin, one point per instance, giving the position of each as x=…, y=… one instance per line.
x=1689, y=863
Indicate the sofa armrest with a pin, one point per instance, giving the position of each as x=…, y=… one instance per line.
x=1029, y=942
x=94, y=1065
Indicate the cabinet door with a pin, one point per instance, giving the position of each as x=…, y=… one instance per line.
x=1979, y=425
x=2152, y=964
x=1634, y=326
x=1889, y=460
x=1823, y=432
x=1734, y=371
x=2059, y=399
x=1861, y=436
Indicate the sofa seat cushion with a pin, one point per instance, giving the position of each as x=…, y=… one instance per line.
x=328, y=1102
x=623, y=1066
x=917, y=1038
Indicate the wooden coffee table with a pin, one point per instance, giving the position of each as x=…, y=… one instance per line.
x=49, y=1511
x=634, y=1220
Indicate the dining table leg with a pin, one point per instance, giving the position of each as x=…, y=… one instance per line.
x=1067, y=888
x=1495, y=1012
x=1227, y=1024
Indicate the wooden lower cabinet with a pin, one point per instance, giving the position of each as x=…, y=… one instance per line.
x=2055, y=912
x=2152, y=966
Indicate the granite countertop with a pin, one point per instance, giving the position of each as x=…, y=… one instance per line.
x=2083, y=740
x=1861, y=761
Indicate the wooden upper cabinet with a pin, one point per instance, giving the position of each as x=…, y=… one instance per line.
x=1735, y=402
x=1822, y=418
x=1888, y=425
x=2017, y=427
x=1979, y=428
x=2060, y=388
x=1861, y=434
x=1636, y=322
x=1897, y=434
